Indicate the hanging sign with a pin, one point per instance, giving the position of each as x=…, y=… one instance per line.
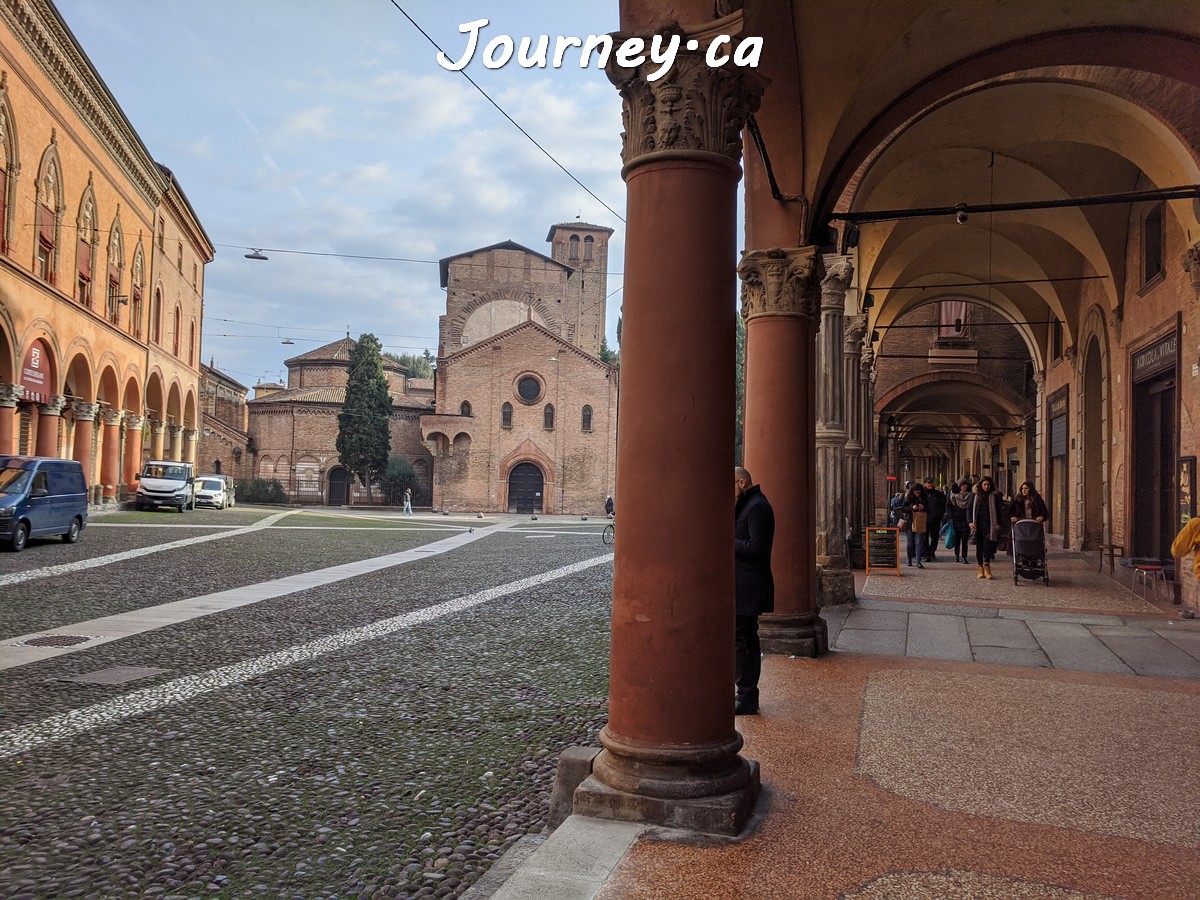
x=883, y=550
x=35, y=372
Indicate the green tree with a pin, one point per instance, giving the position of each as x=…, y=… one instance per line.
x=418, y=366
x=397, y=476
x=363, y=440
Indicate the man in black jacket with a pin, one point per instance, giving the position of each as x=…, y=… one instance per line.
x=937, y=507
x=754, y=532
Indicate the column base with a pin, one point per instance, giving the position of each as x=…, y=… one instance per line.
x=803, y=635
x=724, y=814
x=835, y=586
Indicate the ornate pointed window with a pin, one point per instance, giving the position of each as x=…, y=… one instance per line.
x=506, y=415
x=587, y=419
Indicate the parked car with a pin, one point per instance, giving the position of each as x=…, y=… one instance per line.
x=214, y=490
x=41, y=496
x=166, y=482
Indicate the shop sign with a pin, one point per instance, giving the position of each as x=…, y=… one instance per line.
x=35, y=373
x=1056, y=405
x=1156, y=358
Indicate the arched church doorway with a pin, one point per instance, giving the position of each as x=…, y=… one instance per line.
x=525, y=488
x=1095, y=467
x=339, y=487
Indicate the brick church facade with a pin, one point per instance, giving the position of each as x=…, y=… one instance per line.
x=522, y=414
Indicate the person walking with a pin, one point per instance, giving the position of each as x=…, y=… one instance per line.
x=408, y=501
x=957, y=502
x=608, y=507
x=937, y=507
x=915, y=514
x=894, y=508
x=754, y=585
x=1028, y=504
x=986, y=522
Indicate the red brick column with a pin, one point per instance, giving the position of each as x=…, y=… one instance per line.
x=670, y=747
x=781, y=302
x=10, y=396
x=49, y=416
x=110, y=460
x=85, y=424
x=133, y=448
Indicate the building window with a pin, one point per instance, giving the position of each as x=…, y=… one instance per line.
x=574, y=245
x=156, y=317
x=162, y=233
x=84, y=293
x=111, y=302
x=1152, y=244
x=589, y=245
x=178, y=323
x=135, y=312
x=952, y=320
x=45, y=244
x=529, y=389
x=192, y=345
x=548, y=417
x=506, y=416
x=465, y=409
x=179, y=258
x=587, y=418
x=3, y=196
x=1056, y=340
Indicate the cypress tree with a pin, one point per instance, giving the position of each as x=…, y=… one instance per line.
x=364, y=441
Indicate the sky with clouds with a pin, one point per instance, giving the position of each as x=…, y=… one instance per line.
x=331, y=128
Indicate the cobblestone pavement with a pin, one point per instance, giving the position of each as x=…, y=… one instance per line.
x=388, y=734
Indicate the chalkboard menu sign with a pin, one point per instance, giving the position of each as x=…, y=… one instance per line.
x=883, y=549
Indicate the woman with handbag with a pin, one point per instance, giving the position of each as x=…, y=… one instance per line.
x=956, y=511
x=915, y=516
x=986, y=523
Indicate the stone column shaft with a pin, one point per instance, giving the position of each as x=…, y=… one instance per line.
x=867, y=461
x=110, y=462
x=10, y=396
x=190, y=437
x=176, y=451
x=780, y=304
x=670, y=746
x=85, y=424
x=851, y=354
x=836, y=580
x=49, y=416
x=156, y=438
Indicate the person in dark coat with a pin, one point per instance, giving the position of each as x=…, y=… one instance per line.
x=957, y=502
x=916, y=501
x=1028, y=504
x=936, y=501
x=753, y=535
x=985, y=516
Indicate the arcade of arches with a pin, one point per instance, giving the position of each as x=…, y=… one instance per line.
x=953, y=334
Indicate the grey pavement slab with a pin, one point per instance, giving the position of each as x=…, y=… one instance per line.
x=938, y=637
x=937, y=609
x=834, y=618
x=867, y=640
x=1187, y=641
x=1148, y=653
x=574, y=862
x=1008, y=633
x=1070, y=645
x=1006, y=656
x=878, y=619
x=1042, y=615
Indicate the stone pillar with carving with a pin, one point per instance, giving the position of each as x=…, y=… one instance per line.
x=10, y=396
x=855, y=328
x=1191, y=264
x=156, y=438
x=867, y=461
x=190, y=436
x=133, y=447
x=670, y=746
x=110, y=460
x=176, y=451
x=836, y=581
x=49, y=419
x=85, y=423
x=781, y=303
x=1039, y=442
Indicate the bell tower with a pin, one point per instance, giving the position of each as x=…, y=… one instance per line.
x=584, y=248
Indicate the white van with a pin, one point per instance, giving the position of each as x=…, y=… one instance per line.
x=166, y=482
x=214, y=490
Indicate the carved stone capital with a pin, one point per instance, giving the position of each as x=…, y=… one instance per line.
x=190, y=434
x=1039, y=380
x=113, y=416
x=174, y=431
x=839, y=273
x=1116, y=318
x=1191, y=262
x=692, y=111
x=134, y=423
x=84, y=412
x=11, y=394
x=781, y=283
x=855, y=328
x=53, y=405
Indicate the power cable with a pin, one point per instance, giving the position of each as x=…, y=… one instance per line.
x=516, y=125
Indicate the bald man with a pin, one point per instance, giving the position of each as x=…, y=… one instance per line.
x=754, y=532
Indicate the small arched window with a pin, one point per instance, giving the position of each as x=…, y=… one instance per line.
x=465, y=409
x=178, y=323
x=506, y=416
x=589, y=246
x=574, y=245
x=192, y=345
x=156, y=317
x=587, y=418
x=548, y=417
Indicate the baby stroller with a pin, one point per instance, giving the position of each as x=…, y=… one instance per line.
x=1029, y=550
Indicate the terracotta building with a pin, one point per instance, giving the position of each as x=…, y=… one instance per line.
x=224, y=426
x=101, y=268
x=526, y=411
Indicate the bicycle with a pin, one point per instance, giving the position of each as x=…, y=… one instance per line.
x=609, y=533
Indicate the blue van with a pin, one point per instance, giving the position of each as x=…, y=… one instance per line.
x=41, y=496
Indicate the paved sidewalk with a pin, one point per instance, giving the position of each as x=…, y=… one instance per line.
x=937, y=753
